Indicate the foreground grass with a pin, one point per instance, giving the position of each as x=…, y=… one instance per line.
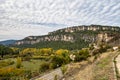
x=100, y=69
x=103, y=68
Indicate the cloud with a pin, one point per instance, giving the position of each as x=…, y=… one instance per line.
x=48, y=24
x=37, y=17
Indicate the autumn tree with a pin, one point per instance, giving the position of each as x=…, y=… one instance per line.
x=46, y=51
x=28, y=52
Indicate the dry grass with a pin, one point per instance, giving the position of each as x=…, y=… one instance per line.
x=101, y=69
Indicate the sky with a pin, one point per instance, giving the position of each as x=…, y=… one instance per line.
x=21, y=18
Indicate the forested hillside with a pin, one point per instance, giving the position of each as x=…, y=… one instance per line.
x=72, y=38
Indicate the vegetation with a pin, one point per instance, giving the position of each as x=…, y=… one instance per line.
x=10, y=73
x=19, y=62
x=30, y=62
x=58, y=45
x=27, y=61
x=64, y=69
x=6, y=63
x=44, y=66
x=5, y=50
x=82, y=55
x=103, y=68
x=38, y=60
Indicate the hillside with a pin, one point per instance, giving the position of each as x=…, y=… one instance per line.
x=75, y=37
x=8, y=42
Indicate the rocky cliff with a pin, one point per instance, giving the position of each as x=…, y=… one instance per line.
x=89, y=34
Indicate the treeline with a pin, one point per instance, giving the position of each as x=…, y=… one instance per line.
x=57, y=45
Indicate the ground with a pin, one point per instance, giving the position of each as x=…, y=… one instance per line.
x=101, y=69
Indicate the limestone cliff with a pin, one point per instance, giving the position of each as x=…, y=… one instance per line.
x=89, y=34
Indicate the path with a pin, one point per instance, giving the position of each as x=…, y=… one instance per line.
x=118, y=63
x=51, y=75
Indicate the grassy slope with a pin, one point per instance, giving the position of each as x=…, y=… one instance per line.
x=101, y=69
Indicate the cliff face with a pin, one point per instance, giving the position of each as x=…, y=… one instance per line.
x=37, y=39
x=71, y=34
x=89, y=28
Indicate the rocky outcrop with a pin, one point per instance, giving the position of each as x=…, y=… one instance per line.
x=72, y=34
x=83, y=28
x=37, y=39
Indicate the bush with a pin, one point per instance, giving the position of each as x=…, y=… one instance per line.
x=62, y=51
x=82, y=55
x=64, y=69
x=57, y=61
x=55, y=77
x=28, y=74
x=9, y=73
x=44, y=66
x=46, y=58
x=19, y=62
x=6, y=63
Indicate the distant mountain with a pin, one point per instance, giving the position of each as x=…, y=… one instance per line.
x=75, y=37
x=8, y=42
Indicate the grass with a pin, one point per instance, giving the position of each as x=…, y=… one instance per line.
x=103, y=68
x=32, y=65
x=6, y=63
x=103, y=63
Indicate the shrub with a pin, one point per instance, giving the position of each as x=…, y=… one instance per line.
x=57, y=61
x=46, y=51
x=55, y=77
x=9, y=73
x=44, y=66
x=19, y=62
x=95, y=51
x=82, y=55
x=62, y=51
x=6, y=63
x=28, y=74
x=34, y=74
x=64, y=69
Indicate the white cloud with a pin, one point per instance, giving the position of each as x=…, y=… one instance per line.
x=36, y=17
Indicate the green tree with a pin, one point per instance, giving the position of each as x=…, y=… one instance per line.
x=5, y=50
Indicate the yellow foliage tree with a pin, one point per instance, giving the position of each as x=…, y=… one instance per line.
x=28, y=51
x=61, y=51
x=46, y=51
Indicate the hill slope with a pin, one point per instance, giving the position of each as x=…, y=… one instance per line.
x=75, y=37
x=8, y=42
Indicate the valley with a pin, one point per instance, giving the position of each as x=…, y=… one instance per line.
x=73, y=53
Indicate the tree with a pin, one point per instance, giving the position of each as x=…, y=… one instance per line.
x=15, y=50
x=46, y=51
x=28, y=52
x=5, y=50
x=62, y=52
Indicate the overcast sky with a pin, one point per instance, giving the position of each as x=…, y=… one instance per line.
x=21, y=18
